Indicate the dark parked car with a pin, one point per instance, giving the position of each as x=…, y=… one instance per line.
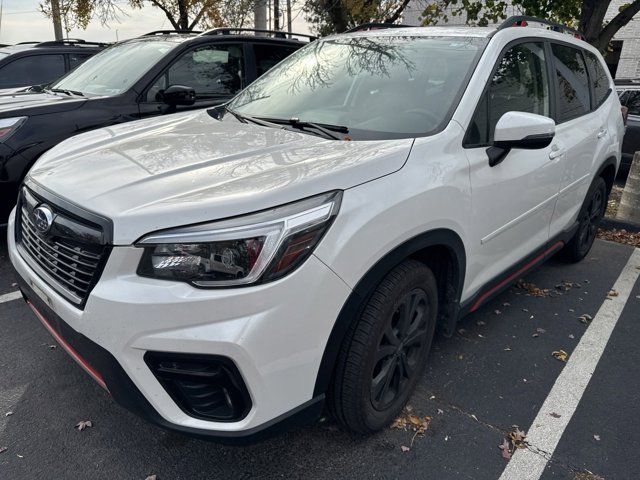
x=629, y=92
x=155, y=74
x=38, y=63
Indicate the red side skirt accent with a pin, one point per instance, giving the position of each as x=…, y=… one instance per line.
x=69, y=349
x=513, y=276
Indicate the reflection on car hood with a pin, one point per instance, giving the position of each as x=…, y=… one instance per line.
x=31, y=103
x=189, y=168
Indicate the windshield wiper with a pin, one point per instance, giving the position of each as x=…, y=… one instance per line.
x=247, y=119
x=326, y=130
x=66, y=91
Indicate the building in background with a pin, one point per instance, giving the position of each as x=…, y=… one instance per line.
x=623, y=58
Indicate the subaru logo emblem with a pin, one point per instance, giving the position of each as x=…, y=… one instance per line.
x=43, y=218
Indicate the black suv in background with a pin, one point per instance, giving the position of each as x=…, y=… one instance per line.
x=38, y=63
x=629, y=93
x=158, y=73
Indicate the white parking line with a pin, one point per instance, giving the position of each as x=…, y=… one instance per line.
x=562, y=401
x=7, y=297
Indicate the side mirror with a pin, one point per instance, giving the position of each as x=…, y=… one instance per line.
x=520, y=130
x=178, y=95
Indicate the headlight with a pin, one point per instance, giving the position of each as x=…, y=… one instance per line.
x=255, y=248
x=9, y=125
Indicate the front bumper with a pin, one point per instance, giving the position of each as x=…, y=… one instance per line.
x=274, y=333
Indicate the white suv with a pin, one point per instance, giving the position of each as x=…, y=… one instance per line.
x=220, y=272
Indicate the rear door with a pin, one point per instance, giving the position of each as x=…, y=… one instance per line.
x=216, y=72
x=580, y=131
x=513, y=201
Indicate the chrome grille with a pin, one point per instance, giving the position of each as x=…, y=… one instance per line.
x=69, y=257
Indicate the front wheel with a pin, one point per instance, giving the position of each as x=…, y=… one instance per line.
x=385, y=351
x=590, y=215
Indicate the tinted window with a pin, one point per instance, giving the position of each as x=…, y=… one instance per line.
x=632, y=102
x=213, y=71
x=599, y=77
x=268, y=56
x=520, y=83
x=377, y=86
x=33, y=70
x=573, y=83
x=76, y=59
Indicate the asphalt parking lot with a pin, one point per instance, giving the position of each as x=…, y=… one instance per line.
x=497, y=372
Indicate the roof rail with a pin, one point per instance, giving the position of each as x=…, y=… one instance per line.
x=274, y=33
x=170, y=32
x=70, y=41
x=375, y=26
x=525, y=20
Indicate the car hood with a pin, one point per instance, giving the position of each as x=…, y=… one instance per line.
x=189, y=168
x=33, y=103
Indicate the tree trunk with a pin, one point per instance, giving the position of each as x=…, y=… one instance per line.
x=601, y=42
x=57, y=22
x=338, y=14
x=629, y=208
x=276, y=14
x=592, y=18
x=183, y=18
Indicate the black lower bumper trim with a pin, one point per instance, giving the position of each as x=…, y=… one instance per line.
x=124, y=391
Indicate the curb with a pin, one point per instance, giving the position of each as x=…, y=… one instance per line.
x=612, y=223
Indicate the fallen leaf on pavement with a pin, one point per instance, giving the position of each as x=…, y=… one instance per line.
x=8, y=414
x=402, y=447
x=497, y=312
x=151, y=477
x=560, y=355
x=3, y=449
x=532, y=289
x=84, y=424
x=597, y=438
x=409, y=421
x=555, y=415
x=506, y=449
x=584, y=318
x=612, y=293
x=517, y=437
x=481, y=323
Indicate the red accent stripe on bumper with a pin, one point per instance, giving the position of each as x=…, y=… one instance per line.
x=513, y=276
x=69, y=349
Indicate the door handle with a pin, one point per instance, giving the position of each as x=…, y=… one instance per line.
x=602, y=133
x=556, y=152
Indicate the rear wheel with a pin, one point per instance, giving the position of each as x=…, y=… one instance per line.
x=590, y=215
x=385, y=352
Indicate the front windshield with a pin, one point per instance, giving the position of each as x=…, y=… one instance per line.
x=376, y=86
x=115, y=69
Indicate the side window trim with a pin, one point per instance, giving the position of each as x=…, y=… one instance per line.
x=465, y=141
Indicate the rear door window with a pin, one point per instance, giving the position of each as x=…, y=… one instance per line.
x=32, y=70
x=268, y=56
x=520, y=84
x=76, y=59
x=213, y=71
x=599, y=78
x=572, y=81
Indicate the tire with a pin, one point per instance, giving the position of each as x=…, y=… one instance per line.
x=590, y=215
x=375, y=350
